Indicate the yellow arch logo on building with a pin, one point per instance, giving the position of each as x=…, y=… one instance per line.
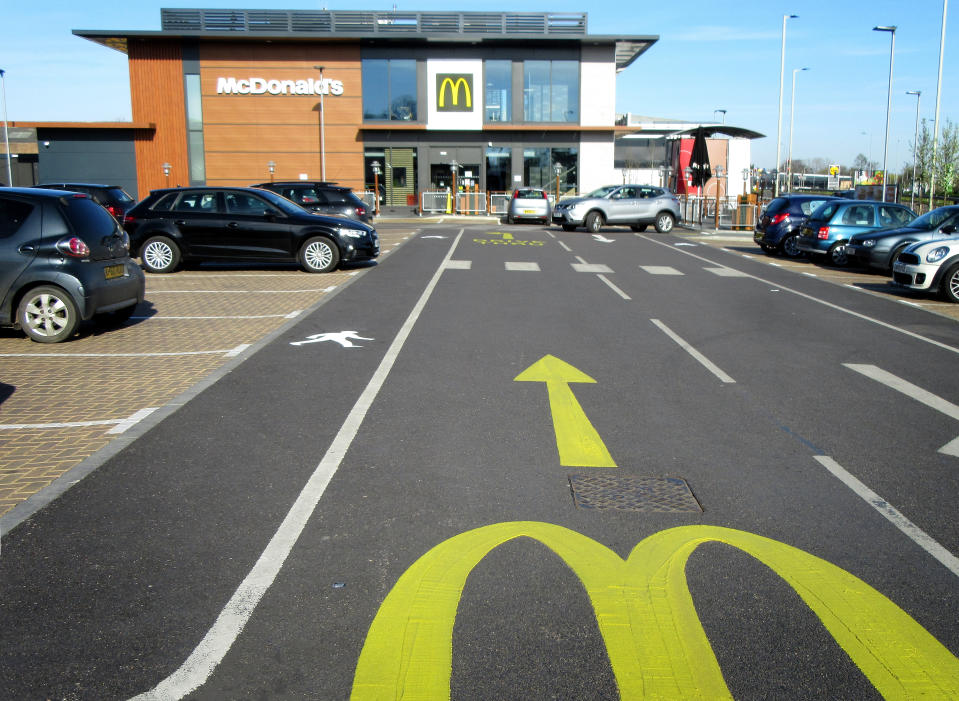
x=656, y=644
x=448, y=85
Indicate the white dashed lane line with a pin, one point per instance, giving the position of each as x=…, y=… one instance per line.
x=119, y=425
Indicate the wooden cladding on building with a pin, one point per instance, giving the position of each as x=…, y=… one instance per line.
x=156, y=90
x=244, y=132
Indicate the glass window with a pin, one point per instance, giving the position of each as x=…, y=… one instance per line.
x=243, y=203
x=551, y=91
x=389, y=89
x=499, y=166
x=12, y=215
x=566, y=159
x=536, y=167
x=197, y=201
x=194, y=104
x=197, y=161
x=499, y=90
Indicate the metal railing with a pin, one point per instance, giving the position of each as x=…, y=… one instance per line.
x=436, y=202
x=499, y=202
x=471, y=203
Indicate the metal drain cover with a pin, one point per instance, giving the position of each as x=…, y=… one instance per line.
x=626, y=493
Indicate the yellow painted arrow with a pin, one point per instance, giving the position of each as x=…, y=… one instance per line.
x=578, y=442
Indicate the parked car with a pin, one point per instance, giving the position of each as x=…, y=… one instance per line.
x=827, y=230
x=637, y=206
x=112, y=197
x=929, y=266
x=322, y=198
x=879, y=249
x=241, y=223
x=777, y=228
x=63, y=259
x=528, y=203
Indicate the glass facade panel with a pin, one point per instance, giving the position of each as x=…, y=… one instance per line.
x=499, y=90
x=498, y=168
x=566, y=159
x=551, y=91
x=536, y=171
x=194, y=105
x=389, y=89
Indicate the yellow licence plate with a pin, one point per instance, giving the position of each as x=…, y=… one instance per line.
x=112, y=271
x=529, y=211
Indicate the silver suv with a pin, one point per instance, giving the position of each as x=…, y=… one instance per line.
x=637, y=206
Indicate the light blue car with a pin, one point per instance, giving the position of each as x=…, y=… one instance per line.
x=827, y=231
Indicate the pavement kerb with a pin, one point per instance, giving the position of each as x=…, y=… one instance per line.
x=34, y=503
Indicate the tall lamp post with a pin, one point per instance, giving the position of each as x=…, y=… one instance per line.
x=557, y=168
x=792, y=111
x=779, y=124
x=885, y=146
x=322, y=125
x=376, y=187
x=915, y=144
x=6, y=133
x=723, y=113
x=271, y=166
x=935, y=127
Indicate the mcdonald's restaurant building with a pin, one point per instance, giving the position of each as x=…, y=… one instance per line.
x=398, y=100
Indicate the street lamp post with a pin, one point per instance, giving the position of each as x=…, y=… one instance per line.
x=723, y=112
x=272, y=168
x=935, y=127
x=915, y=144
x=166, y=172
x=322, y=125
x=557, y=168
x=779, y=124
x=376, y=187
x=6, y=133
x=885, y=147
x=719, y=172
x=792, y=110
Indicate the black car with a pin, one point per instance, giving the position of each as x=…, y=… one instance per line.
x=63, y=259
x=879, y=249
x=777, y=229
x=241, y=223
x=322, y=198
x=112, y=197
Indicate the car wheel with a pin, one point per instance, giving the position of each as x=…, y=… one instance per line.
x=160, y=255
x=594, y=220
x=47, y=314
x=837, y=255
x=638, y=228
x=569, y=227
x=949, y=286
x=509, y=219
x=665, y=222
x=790, y=246
x=319, y=255
x=895, y=254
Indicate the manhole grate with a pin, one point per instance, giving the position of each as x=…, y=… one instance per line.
x=625, y=493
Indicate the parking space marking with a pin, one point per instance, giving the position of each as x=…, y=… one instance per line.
x=240, y=292
x=226, y=352
x=291, y=315
x=911, y=530
x=660, y=270
x=614, y=288
x=811, y=298
x=726, y=272
x=565, y=247
x=706, y=362
x=591, y=268
x=912, y=391
x=119, y=425
x=522, y=267
x=459, y=264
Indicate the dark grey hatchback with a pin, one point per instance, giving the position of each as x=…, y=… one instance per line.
x=243, y=224
x=63, y=259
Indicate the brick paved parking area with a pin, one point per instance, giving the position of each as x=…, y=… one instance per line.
x=61, y=403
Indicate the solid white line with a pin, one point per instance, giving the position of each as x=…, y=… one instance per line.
x=614, y=288
x=233, y=618
x=117, y=423
x=836, y=307
x=239, y=349
x=213, y=318
x=913, y=392
x=709, y=365
x=114, y=355
x=911, y=530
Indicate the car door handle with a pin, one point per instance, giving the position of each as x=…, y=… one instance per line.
x=179, y=222
x=27, y=248
x=232, y=225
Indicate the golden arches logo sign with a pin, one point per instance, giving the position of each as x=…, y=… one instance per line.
x=449, y=97
x=655, y=642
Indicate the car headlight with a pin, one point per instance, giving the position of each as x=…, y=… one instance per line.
x=353, y=233
x=937, y=254
x=869, y=243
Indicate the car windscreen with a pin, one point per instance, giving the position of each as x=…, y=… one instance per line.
x=89, y=219
x=119, y=195
x=603, y=191
x=776, y=206
x=936, y=219
x=530, y=195
x=283, y=204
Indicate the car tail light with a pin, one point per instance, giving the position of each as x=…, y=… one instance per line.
x=823, y=232
x=113, y=210
x=127, y=219
x=360, y=211
x=782, y=216
x=73, y=247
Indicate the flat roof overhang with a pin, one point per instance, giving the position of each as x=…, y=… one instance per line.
x=627, y=48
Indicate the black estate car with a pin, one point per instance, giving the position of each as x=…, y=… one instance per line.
x=322, y=198
x=241, y=223
x=111, y=197
x=777, y=228
x=62, y=260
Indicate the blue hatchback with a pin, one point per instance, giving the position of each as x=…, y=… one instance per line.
x=828, y=229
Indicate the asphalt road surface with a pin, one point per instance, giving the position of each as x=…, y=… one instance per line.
x=517, y=463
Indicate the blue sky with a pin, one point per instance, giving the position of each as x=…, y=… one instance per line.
x=710, y=56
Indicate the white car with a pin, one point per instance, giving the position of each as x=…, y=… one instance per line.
x=932, y=266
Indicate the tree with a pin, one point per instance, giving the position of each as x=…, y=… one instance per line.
x=945, y=166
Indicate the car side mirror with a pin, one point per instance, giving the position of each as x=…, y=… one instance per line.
x=948, y=229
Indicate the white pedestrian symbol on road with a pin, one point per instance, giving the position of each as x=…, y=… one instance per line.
x=602, y=239
x=344, y=338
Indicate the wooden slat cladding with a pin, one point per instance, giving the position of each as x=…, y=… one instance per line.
x=156, y=89
x=242, y=133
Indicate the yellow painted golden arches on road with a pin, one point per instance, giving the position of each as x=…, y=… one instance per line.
x=656, y=644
